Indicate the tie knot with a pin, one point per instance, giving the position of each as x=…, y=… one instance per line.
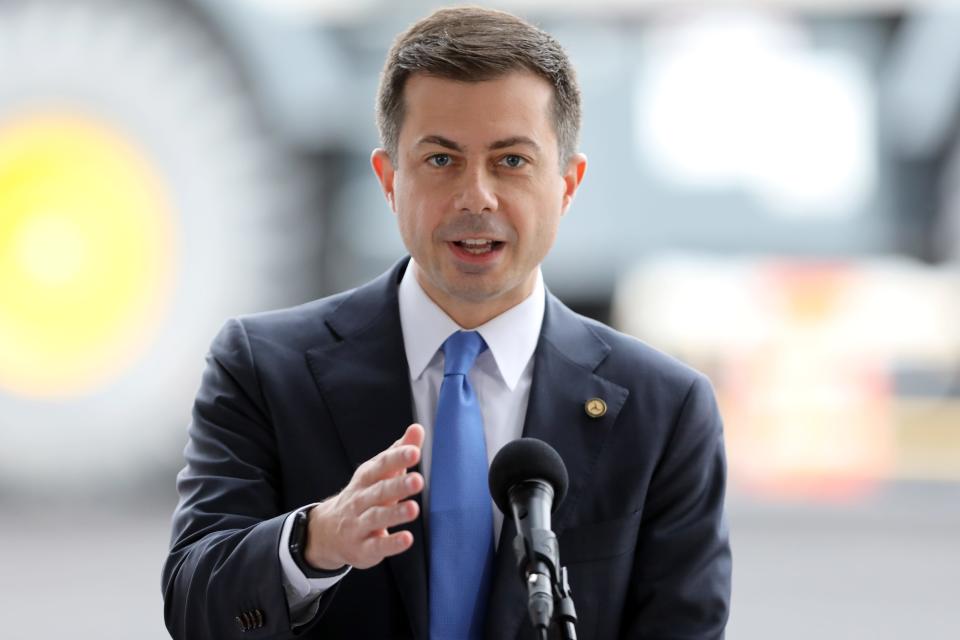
x=460, y=351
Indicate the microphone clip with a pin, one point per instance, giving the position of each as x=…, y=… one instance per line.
x=548, y=587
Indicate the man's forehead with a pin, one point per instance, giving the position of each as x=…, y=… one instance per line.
x=511, y=109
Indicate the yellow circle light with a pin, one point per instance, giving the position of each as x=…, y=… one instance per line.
x=86, y=254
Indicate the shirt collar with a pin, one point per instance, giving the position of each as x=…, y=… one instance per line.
x=511, y=337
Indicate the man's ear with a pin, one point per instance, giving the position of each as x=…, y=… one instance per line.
x=572, y=177
x=385, y=172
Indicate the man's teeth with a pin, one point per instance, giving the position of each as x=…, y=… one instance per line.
x=476, y=246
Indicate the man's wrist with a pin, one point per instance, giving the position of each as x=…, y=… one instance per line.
x=298, y=547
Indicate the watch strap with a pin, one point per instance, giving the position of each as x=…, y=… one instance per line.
x=298, y=545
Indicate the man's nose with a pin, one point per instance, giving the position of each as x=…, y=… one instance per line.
x=476, y=191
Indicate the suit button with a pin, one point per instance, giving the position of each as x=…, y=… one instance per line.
x=241, y=623
x=258, y=618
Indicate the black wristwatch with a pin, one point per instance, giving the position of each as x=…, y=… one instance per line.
x=298, y=544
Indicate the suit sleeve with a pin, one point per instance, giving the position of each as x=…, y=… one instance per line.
x=222, y=577
x=682, y=565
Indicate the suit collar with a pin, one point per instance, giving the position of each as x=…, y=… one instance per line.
x=569, y=334
x=369, y=305
x=511, y=336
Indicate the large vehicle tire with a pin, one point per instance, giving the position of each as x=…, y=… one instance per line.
x=141, y=203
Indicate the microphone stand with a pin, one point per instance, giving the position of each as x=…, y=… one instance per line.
x=565, y=613
x=551, y=603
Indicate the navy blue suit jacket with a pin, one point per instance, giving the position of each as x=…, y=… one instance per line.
x=293, y=401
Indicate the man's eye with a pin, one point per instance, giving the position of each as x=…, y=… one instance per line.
x=512, y=161
x=439, y=159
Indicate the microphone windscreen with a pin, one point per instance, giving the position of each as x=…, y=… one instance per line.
x=524, y=460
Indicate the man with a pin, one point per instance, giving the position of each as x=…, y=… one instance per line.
x=478, y=113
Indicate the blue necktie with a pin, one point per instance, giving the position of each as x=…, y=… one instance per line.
x=461, y=517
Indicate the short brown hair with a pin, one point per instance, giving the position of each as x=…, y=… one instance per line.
x=471, y=44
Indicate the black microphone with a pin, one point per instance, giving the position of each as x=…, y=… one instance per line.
x=529, y=479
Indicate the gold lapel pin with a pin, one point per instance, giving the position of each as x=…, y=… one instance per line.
x=595, y=407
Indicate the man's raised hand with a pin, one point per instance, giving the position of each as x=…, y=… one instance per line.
x=351, y=527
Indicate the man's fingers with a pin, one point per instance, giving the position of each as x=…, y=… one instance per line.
x=388, y=545
x=378, y=518
x=387, y=463
x=376, y=500
x=386, y=492
x=413, y=436
x=354, y=524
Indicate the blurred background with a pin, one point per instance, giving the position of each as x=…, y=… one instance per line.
x=773, y=195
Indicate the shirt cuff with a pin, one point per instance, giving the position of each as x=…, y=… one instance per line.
x=303, y=593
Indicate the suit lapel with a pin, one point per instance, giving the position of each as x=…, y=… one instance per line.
x=567, y=355
x=365, y=381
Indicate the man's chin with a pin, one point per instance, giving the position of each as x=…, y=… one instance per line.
x=473, y=292
x=487, y=290
x=488, y=293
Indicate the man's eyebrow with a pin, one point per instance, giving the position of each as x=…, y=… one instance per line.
x=499, y=144
x=439, y=140
x=514, y=141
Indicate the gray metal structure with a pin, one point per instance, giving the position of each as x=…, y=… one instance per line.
x=314, y=79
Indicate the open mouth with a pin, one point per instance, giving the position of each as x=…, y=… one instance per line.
x=478, y=247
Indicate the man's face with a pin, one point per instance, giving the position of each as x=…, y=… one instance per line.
x=477, y=189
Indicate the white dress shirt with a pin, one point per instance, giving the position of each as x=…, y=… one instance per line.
x=501, y=378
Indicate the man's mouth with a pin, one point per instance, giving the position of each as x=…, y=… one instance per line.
x=478, y=246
